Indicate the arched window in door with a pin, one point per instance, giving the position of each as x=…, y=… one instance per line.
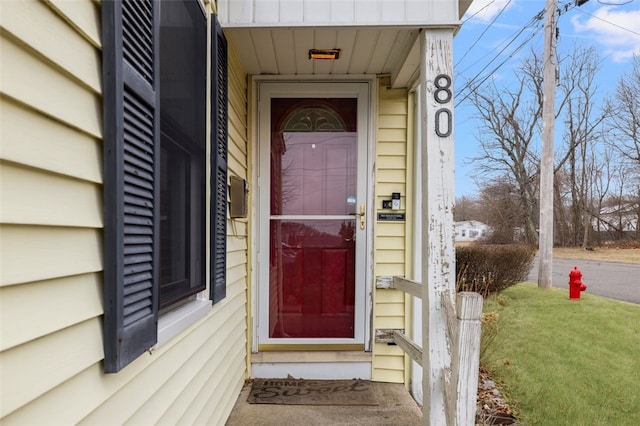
x=313, y=118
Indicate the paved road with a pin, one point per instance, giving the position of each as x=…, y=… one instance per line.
x=619, y=281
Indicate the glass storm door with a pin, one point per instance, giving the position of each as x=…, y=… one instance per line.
x=315, y=221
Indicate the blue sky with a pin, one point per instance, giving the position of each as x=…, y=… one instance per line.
x=612, y=27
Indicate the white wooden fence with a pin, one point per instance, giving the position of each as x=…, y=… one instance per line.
x=463, y=340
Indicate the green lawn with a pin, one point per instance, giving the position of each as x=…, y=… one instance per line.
x=565, y=362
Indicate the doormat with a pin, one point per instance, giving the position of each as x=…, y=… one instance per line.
x=312, y=392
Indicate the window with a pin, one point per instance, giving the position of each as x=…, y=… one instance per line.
x=183, y=73
x=154, y=102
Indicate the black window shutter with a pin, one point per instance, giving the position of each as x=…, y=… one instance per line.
x=219, y=131
x=131, y=149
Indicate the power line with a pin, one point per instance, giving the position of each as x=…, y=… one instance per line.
x=608, y=22
x=612, y=4
x=472, y=84
x=513, y=39
x=485, y=30
x=485, y=6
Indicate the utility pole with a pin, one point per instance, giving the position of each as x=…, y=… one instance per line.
x=545, y=240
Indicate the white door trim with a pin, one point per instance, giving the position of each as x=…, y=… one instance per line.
x=365, y=90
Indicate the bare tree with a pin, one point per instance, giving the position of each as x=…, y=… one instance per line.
x=510, y=134
x=624, y=137
x=510, y=140
x=500, y=202
x=582, y=130
x=561, y=214
x=602, y=181
x=613, y=206
x=624, y=120
x=467, y=208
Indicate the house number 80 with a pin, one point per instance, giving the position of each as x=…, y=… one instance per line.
x=442, y=95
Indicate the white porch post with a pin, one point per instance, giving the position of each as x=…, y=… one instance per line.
x=438, y=197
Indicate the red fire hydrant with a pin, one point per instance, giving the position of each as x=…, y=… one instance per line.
x=575, y=284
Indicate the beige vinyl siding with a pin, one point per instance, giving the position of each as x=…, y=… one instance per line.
x=62, y=41
x=45, y=86
x=49, y=308
x=25, y=132
x=169, y=383
x=390, y=310
x=175, y=379
x=237, y=118
x=34, y=197
x=34, y=253
x=238, y=229
x=50, y=207
x=51, y=217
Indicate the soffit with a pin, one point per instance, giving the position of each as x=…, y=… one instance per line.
x=364, y=50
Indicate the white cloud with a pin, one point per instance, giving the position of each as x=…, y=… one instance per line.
x=616, y=30
x=486, y=10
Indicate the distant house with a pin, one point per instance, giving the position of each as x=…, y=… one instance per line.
x=470, y=230
x=618, y=218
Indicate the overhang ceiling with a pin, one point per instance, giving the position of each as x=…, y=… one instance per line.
x=364, y=50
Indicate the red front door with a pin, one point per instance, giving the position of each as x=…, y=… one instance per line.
x=312, y=218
